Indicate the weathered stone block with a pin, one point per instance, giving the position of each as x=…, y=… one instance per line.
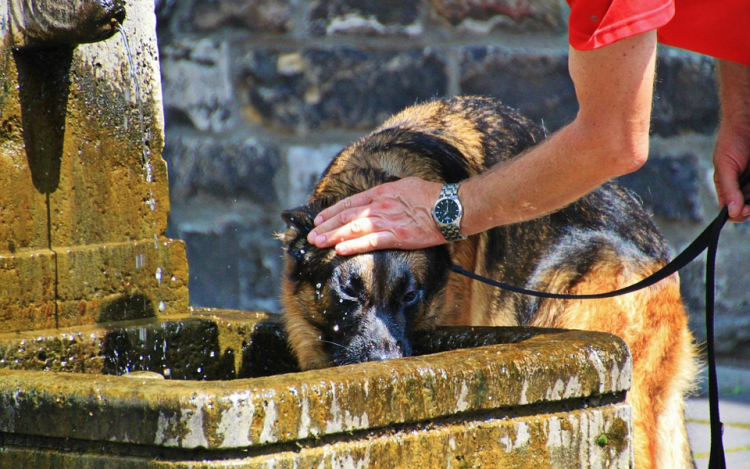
x=535, y=82
x=197, y=88
x=484, y=15
x=305, y=166
x=134, y=280
x=27, y=291
x=338, y=87
x=273, y=16
x=668, y=186
x=235, y=265
x=369, y=17
x=222, y=168
x=685, y=98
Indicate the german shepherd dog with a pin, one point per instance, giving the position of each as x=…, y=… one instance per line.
x=341, y=310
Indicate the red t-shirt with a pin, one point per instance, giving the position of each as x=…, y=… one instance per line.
x=718, y=28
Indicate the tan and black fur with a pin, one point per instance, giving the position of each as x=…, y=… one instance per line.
x=351, y=309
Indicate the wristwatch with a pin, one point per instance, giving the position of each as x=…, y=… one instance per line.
x=447, y=213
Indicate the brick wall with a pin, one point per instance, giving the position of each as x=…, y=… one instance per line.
x=260, y=94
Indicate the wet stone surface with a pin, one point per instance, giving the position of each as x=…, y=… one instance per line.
x=188, y=348
x=546, y=396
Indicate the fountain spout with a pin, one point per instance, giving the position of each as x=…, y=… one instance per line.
x=54, y=23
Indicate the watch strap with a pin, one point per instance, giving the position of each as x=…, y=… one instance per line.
x=451, y=233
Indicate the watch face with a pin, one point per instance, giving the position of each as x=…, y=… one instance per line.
x=446, y=211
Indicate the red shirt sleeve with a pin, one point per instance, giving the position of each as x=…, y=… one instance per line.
x=715, y=28
x=597, y=23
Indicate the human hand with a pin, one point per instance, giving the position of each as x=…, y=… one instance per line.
x=732, y=171
x=394, y=215
x=732, y=151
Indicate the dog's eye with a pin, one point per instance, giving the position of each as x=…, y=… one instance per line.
x=352, y=290
x=410, y=297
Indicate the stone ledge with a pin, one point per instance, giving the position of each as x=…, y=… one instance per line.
x=87, y=284
x=590, y=438
x=548, y=371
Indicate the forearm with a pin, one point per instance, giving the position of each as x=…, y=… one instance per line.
x=734, y=92
x=608, y=138
x=559, y=171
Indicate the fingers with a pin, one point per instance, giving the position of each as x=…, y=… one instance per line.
x=367, y=243
x=394, y=215
x=356, y=201
x=744, y=213
x=345, y=226
x=733, y=193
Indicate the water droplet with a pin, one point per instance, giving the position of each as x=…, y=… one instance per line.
x=336, y=328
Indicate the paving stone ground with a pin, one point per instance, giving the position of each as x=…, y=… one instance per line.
x=734, y=409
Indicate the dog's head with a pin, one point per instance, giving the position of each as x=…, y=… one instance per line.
x=341, y=310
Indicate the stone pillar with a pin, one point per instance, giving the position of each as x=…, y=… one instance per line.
x=83, y=188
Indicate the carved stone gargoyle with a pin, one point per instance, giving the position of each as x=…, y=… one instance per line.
x=55, y=23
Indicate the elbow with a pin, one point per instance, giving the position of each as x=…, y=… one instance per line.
x=615, y=151
x=630, y=159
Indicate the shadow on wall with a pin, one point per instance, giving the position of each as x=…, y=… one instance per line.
x=44, y=84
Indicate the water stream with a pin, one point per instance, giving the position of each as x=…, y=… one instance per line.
x=145, y=151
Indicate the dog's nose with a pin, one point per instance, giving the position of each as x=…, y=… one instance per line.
x=386, y=350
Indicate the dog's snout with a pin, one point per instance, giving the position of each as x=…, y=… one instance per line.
x=387, y=349
x=386, y=341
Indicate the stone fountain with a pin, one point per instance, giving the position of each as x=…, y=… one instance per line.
x=102, y=362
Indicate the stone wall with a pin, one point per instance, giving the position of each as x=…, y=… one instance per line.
x=260, y=94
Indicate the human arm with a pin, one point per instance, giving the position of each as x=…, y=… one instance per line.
x=732, y=151
x=608, y=138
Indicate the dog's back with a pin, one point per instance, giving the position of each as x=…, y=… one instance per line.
x=603, y=242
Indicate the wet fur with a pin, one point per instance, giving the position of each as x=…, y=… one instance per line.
x=603, y=242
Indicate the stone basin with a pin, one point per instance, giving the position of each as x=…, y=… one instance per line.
x=83, y=250
x=520, y=397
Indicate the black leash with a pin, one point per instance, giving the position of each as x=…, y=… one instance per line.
x=708, y=239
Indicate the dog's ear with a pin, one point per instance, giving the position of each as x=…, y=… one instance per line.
x=299, y=223
x=300, y=220
x=307, y=259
